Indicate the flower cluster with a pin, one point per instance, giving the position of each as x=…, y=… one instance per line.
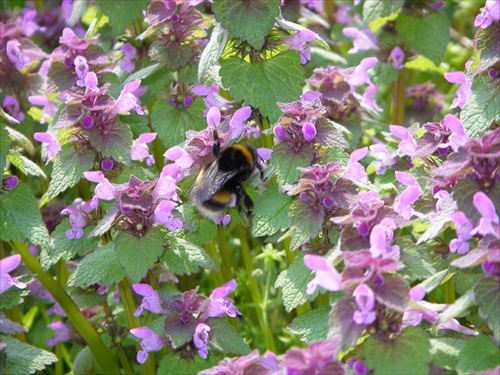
x=188, y=319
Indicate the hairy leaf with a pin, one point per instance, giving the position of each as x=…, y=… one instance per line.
x=293, y=282
x=224, y=338
x=312, y=325
x=270, y=213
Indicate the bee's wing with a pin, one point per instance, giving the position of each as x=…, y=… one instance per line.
x=209, y=182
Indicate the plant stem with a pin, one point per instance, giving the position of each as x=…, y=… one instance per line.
x=225, y=254
x=398, y=114
x=255, y=291
x=82, y=325
x=212, y=251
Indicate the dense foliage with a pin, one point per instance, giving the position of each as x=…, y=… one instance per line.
x=374, y=241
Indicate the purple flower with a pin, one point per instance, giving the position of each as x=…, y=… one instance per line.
x=104, y=189
x=298, y=41
x=458, y=137
x=463, y=91
x=365, y=300
x=15, y=54
x=407, y=145
x=224, y=219
x=220, y=304
x=151, y=300
x=151, y=342
x=490, y=13
x=326, y=275
x=166, y=187
x=319, y=358
x=408, y=196
x=10, y=182
x=381, y=238
x=355, y=171
x=359, y=75
x=364, y=40
x=128, y=99
x=12, y=107
x=489, y=222
x=6, y=265
x=140, y=150
x=163, y=215
x=90, y=83
x=236, y=121
x=77, y=222
x=309, y=131
x=213, y=117
x=61, y=334
x=178, y=155
x=385, y=159
x=398, y=58
x=107, y=164
x=49, y=109
x=200, y=339
x=81, y=70
x=129, y=54
x=53, y=145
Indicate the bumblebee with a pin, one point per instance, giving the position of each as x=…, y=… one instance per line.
x=212, y=190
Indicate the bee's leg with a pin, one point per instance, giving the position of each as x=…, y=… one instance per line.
x=242, y=197
x=216, y=146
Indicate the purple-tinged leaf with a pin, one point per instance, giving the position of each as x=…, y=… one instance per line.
x=487, y=48
x=487, y=297
x=393, y=293
x=60, y=78
x=441, y=218
x=342, y=324
x=247, y=20
x=9, y=327
x=113, y=142
x=426, y=145
x=463, y=194
x=344, y=193
x=180, y=329
x=352, y=241
x=455, y=165
x=328, y=135
x=471, y=259
x=410, y=350
x=69, y=116
x=172, y=55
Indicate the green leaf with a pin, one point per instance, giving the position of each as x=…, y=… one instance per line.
x=383, y=74
x=458, y=307
x=224, y=338
x=20, y=218
x=186, y=366
x=143, y=73
x=487, y=296
x=483, y=106
x=25, y=165
x=418, y=264
x=375, y=9
x=306, y=220
x=137, y=255
x=262, y=84
x=312, y=325
x=84, y=362
x=423, y=64
x=184, y=258
x=171, y=123
x=487, y=47
x=441, y=218
x=114, y=142
x=100, y=265
x=4, y=146
x=20, y=138
x=411, y=350
x=428, y=34
x=211, y=53
x=204, y=230
x=59, y=78
x=286, y=161
x=121, y=14
x=434, y=281
x=173, y=55
x=479, y=354
x=86, y=298
x=23, y=358
x=293, y=282
x=270, y=213
x=445, y=351
x=67, y=249
x=247, y=20
x=68, y=168
x=12, y=297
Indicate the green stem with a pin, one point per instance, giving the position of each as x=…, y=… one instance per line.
x=255, y=291
x=124, y=360
x=398, y=114
x=212, y=251
x=267, y=138
x=225, y=254
x=59, y=364
x=127, y=298
x=449, y=291
x=82, y=325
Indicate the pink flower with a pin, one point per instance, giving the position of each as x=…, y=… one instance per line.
x=6, y=265
x=364, y=40
x=398, y=58
x=61, y=334
x=458, y=137
x=355, y=171
x=53, y=145
x=178, y=155
x=381, y=238
x=151, y=300
x=365, y=300
x=200, y=339
x=141, y=151
x=326, y=275
x=489, y=222
x=151, y=342
x=15, y=54
x=463, y=91
x=407, y=145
